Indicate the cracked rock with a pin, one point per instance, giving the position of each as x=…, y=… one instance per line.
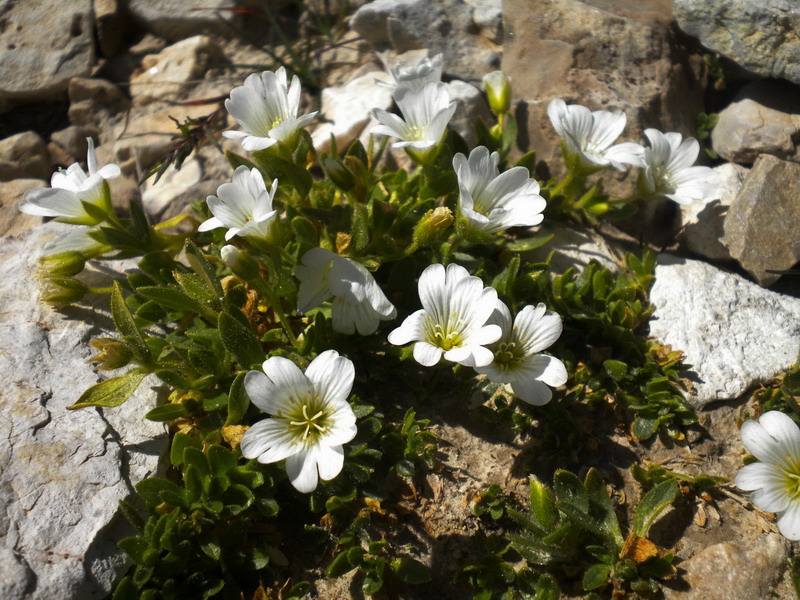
x=734, y=333
x=61, y=472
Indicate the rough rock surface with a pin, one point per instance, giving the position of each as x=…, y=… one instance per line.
x=734, y=333
x=601, y=54
x=441, y=26
x=704, y=222
x=61, y=472
x=171, y=20
x=470, y=104
x=24, y=155
x=573, y=248
x=13, y=222
x=173, y=186
x=732, y=571
x=759, y=35
x=764, y=119
x=43, y=44
x=168, y=74
x=762, y=229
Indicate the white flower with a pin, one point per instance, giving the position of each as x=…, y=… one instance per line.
x=426, y=111
x=266, y=110
x=70, y=189
x=667, y=168
x=775, y=481
x=244, y=206
x=492, y=202
x=358, y=302
x=311, y=418
x=589, y=135
x=77, y=239
x=516, y=354
x=453, y=319
x=414, y=77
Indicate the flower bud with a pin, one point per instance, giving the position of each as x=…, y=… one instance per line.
x=498, y=91
x=241, y=263
x=63, y=290
x=432, y=224
x=65, y=264
x=112, y=353
x=340, y=176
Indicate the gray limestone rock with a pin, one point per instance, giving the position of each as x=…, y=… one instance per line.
x=61, y=472
x=618, y=55
x=24, y=155
x=762, y=229
x=43, y=44
x=759, y=35
x=573, y=248
x=174, y=20
x=764, y=119
x=471, y=104
x=441, y=26
x=734, y=333
x=704, y=222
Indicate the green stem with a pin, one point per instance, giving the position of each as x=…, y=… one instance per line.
x=102, y=290
x=263, y=288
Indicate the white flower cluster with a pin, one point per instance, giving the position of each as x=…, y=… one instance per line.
x=665, y=166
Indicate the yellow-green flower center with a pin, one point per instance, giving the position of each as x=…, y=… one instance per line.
x=415, y=133
x=791, y=477
x=444, y=336
x=508, y=354
x=309, y=421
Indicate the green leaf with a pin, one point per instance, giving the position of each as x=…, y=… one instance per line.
x=240, y=341
x=547, y=589
x=125, y=324
x=652, y=505
x=221, y=460
x=596, y=576
x=616, y=369
x=289, y=174
x=203, y=269
x=176, y=300
x=569, y=490
x=238, y=401
x=173, y=379
x=504, y=281
x=166, y=412
x=131, y=515
x=411, y=571
x=135, y=547
x=602, y=509
x=154, y=489
x=543, y=507
x=111, y=392
x=180, y=442
x=529, y=243
x=126, y=590
x=236, y=160
x=644, y=428
x=339, y=566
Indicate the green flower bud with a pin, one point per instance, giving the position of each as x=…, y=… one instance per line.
x=241, y=263
x=498, y=91
x=340, y=176
x=63, y=290
x=432, y=225
x=64, y=264
x=112, y=353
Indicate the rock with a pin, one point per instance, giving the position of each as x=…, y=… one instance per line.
x=723, y=570
x=62, y=473
x=488, y=16
x=71, y=141
x=471, y=105
x=136, y=154
x=171, y=20
x=347, y=108
x=762, y=229
x=573, y=248
x=93, y=101
x=24, y=155
x=111, y=23
x=703, y=223
x=764, y=119
x=13, y=222
x=174, y=189
x=441, y=26
x=170, y=73
x=734, y=333
x=759, y=35
x=604, y=55
x=43, y=44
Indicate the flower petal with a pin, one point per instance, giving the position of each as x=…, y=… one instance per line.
x=789, y=522
x=532, y=391
x=302, y=470
x=332, y=376
x=268, y=441
x=329, y=461
x=426, y=354
x=756, y=476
